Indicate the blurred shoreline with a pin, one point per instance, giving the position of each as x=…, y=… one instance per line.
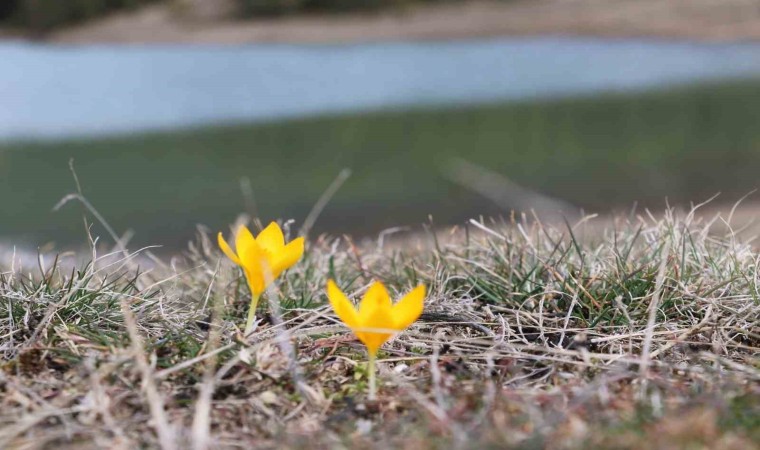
x=597, y=153
x=727, y=20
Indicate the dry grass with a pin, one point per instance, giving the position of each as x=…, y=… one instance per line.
x=644, y=335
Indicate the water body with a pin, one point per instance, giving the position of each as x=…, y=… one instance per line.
x=52, y=91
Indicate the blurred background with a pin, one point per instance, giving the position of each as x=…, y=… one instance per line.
x=185, y=112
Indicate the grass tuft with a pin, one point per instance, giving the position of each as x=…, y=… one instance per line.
x=533, y=336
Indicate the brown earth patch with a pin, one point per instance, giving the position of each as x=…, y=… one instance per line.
x=687, y=19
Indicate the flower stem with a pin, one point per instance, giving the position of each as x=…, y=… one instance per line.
x=372, y=378
x=251, y=314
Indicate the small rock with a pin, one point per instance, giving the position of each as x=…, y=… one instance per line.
x=268, y=397
x=245, y=356
x=363, y=426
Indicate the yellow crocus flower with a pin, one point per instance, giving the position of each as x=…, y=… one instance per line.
x=377, y=318
x=262, y=258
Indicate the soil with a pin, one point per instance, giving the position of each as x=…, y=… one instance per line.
x=713, y=20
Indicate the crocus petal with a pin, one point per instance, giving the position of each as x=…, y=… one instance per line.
x=289, y=255
x=343, y=307
x=373, y=327
x=271, y=239
x=227, y=250
x=373, y=341
x=256, y=265
x=245, y=245
x=376, y=297
x=251, y=256
x=409, y=308
x=256, y=281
